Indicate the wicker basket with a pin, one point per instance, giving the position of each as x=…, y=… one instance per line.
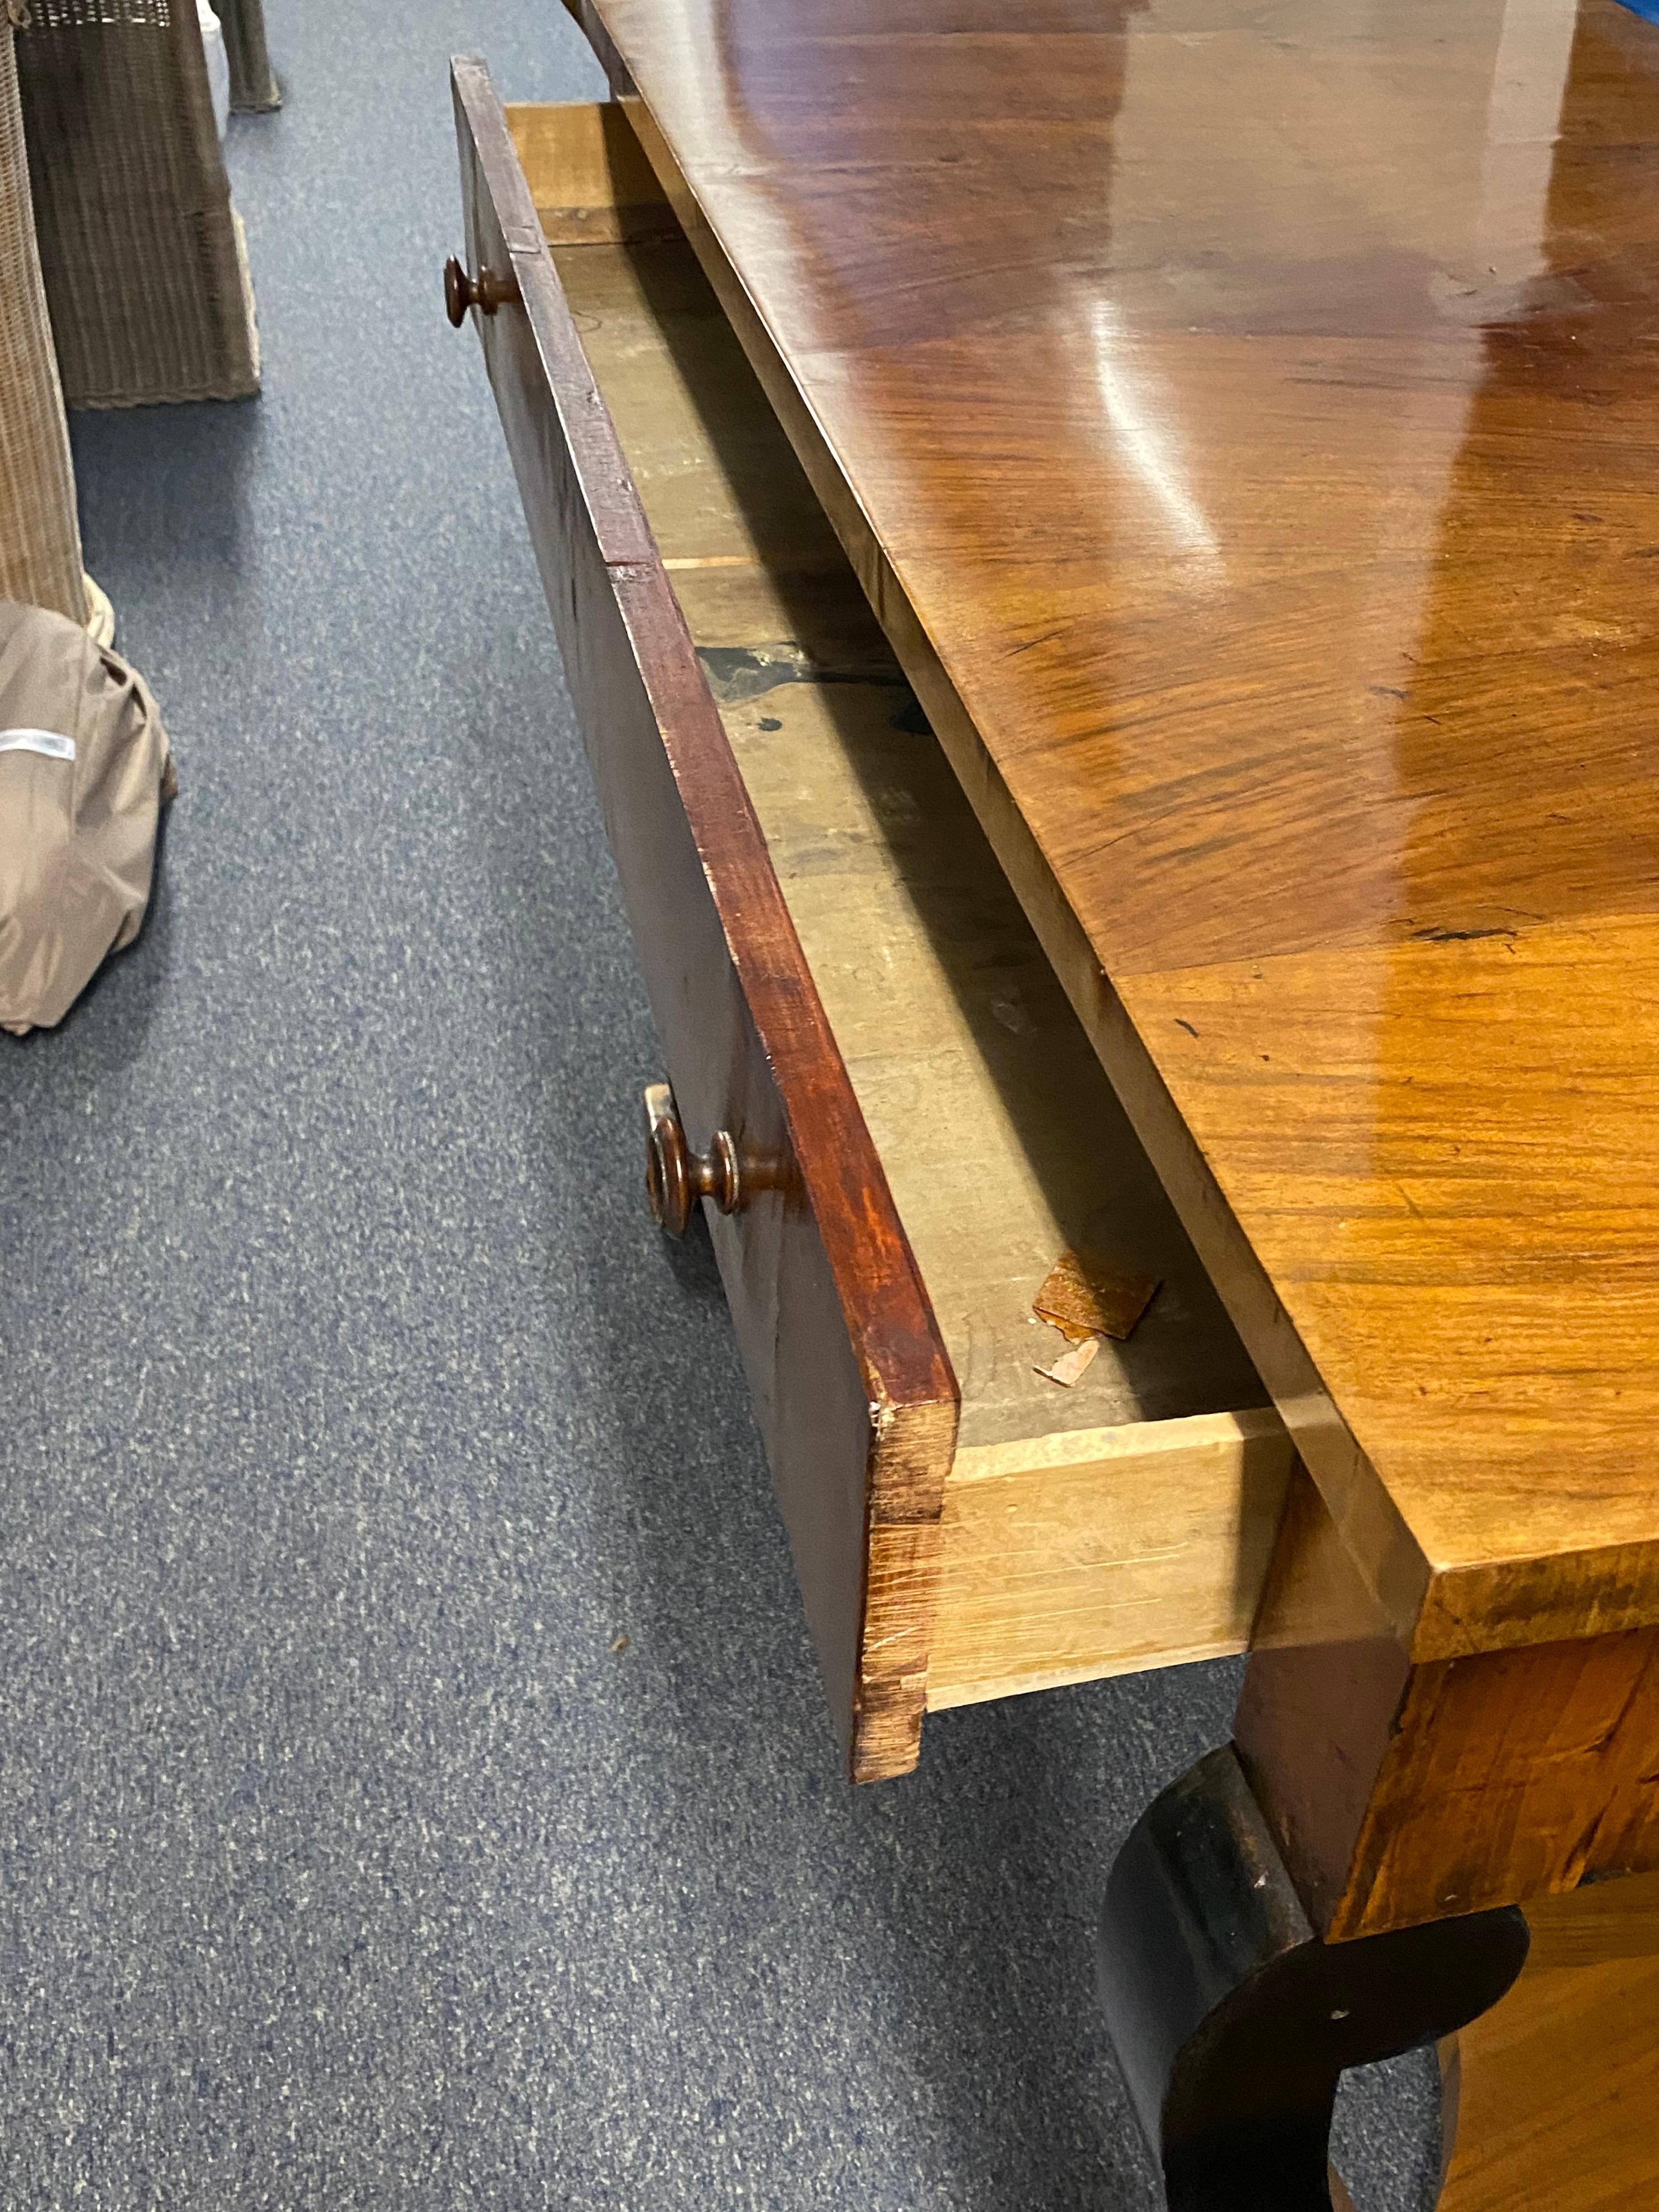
x=139, y=251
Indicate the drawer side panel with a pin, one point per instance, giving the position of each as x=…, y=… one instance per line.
x=855, y=1396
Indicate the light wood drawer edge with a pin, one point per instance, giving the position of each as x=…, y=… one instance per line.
x=1070, y=1558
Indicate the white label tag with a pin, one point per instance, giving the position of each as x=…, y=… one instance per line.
x=38, y=741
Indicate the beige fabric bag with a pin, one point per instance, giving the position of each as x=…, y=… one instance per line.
x=84, y=766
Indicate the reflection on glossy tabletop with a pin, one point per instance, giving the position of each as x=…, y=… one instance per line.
x=1258, y=406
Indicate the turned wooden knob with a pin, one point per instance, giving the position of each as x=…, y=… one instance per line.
x=486, y=291
x=676, y=1177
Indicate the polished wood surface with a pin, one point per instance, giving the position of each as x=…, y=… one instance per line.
x=1211, y=406
x=1399, y=1792
x=1553, y=2098
x=853, y=1389
x=1251, y=407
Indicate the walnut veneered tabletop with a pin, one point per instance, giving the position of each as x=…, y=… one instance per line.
x=1257, y=408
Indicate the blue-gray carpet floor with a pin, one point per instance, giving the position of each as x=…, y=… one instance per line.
x=355, y=1412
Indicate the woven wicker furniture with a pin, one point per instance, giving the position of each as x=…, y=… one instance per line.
x=140, y=254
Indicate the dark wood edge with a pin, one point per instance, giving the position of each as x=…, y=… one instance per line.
x=588, y=19
x=914, y=1397
x=1233, y=2022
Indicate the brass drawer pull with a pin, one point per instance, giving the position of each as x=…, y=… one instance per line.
x=486, y=291
x=676, y=1177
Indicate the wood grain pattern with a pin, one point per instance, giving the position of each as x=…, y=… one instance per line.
x=1553, y=2098
x=1251, y=504
x=1351, y=418
x=1595, y=1925
x=1399, y=1794
x=853, y=1389
x=1104, y=1554
x=588, y=175
x=1468, y=1126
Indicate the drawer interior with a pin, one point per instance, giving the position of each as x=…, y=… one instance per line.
x=1126, y=1521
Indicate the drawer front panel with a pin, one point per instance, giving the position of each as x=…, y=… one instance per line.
x=852, y=1387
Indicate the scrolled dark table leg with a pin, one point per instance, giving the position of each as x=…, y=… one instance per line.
x=1233, y=2021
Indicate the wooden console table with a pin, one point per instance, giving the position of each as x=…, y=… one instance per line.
x=1103, y=557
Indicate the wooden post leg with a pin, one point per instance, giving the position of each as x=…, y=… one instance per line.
x=1233, y=2021
x=1553, y=2098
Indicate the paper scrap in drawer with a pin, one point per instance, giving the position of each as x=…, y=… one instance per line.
x=1069, y=1369
x=1085, y=1297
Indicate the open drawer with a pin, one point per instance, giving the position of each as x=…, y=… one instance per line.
x=895, y=1118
